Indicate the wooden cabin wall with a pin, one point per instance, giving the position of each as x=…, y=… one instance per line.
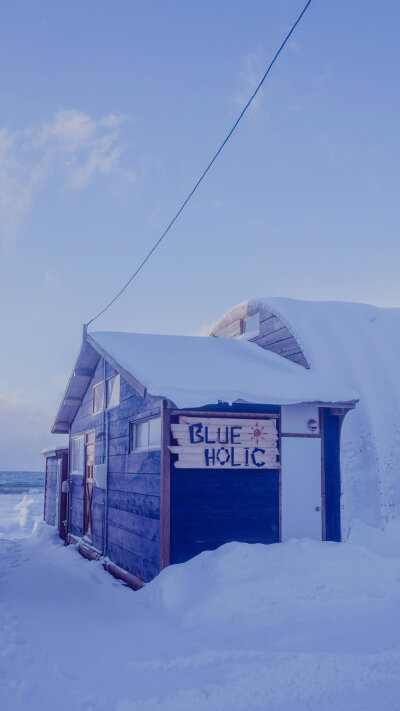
x=50, y=490
x=133, y=497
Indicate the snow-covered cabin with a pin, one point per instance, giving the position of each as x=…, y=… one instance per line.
x=179, y=444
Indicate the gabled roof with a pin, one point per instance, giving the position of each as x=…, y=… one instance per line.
x=194, y=371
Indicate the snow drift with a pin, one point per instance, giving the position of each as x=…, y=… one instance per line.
x=297, y=626
x=358, y=346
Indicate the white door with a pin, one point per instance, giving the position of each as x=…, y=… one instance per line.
x=301, y=487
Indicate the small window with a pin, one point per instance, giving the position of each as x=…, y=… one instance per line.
x=251, y=325
x=112, y=392
x=145, y=434
x=77, y=456
x=98, y=398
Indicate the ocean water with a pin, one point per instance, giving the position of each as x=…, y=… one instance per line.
x=21, y=482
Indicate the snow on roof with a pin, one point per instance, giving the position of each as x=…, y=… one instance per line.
x=359, y=345
x=193, y=371
x=53, y=450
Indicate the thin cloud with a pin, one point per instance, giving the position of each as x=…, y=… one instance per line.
x=253, y=68
x=72, y=146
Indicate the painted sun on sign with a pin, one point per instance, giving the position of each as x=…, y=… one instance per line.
x=256, y=433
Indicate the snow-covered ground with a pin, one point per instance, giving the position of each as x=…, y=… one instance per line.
x=298, y=626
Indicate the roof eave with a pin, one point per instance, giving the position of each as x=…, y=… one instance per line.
x=138, y=386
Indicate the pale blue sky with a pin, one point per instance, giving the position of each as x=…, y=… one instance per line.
x=111, y=110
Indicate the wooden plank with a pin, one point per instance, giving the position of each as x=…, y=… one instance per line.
x=135, y=406
x=235, y=421
x=136, y=463
x=197, y=450
x=131, y=562
x=119, y=428
x=219, y=508
x=200, y=484
x=215, y=438
x=72, y=401
x=135, y=483
x=284, y=348
x=165, y=487
x=248, y=531
x=144, y=462
x=86, y=422
x=76, y=529
x=132, y=542
x=255, y=414
x=84, y=372
x=270, y=325
x=280, y=334
x=118, y=445
x=137, y=503
x=98, y=512
x=142, y=525
x=117, y=464
x=76, y=518
x=234, y=328
x=237, y=314
x=187, y=461
x=298, y=357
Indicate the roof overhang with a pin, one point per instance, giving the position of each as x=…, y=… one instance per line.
x=82, y=374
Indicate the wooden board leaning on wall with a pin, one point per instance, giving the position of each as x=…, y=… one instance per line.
x=225, y=443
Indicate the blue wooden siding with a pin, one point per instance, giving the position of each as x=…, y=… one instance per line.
x=209, y=508
x=50, y=493
x=332, y=476
x=133, y=499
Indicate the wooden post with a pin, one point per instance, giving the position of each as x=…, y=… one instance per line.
x=165, y=489
x=321, y=431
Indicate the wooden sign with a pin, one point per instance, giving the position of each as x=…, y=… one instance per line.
x=226, y=443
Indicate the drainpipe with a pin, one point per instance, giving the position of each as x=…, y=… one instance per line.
x=105, y=429
x=106, y=491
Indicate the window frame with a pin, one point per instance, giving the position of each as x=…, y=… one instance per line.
x=98, y=385
x=74, y=471
x=255, y=332
x=118, y=379
x=133, y=434
x=104, y=400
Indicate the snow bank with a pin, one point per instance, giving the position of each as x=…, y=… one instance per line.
x=299, y=626
x=19, y=515
x=359, y=346
x=252, y=580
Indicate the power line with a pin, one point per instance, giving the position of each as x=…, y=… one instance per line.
x=203, y=175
